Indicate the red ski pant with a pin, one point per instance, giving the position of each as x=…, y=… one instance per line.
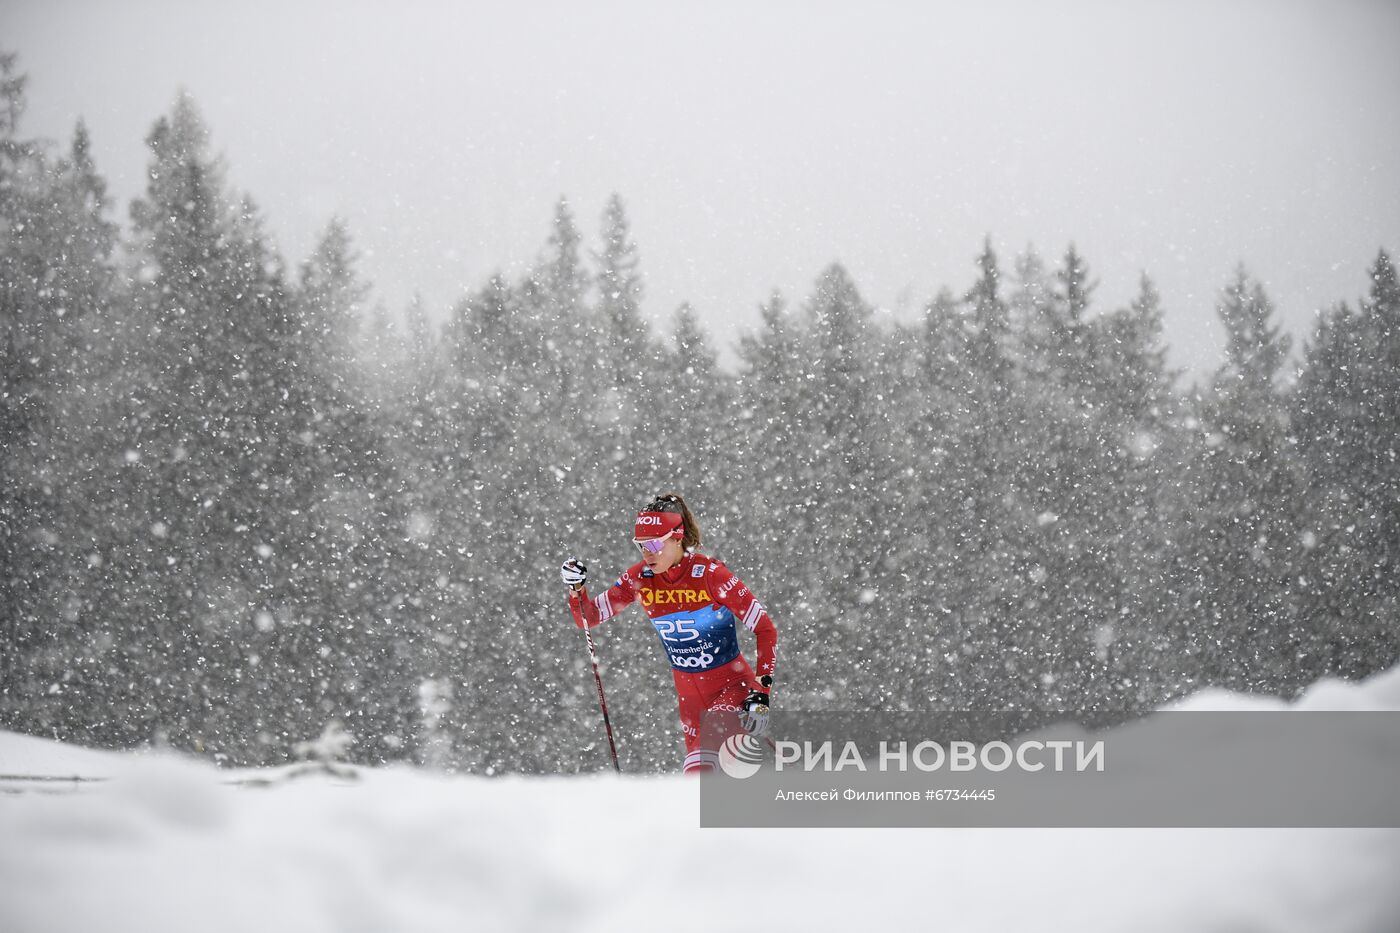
x=710, y=702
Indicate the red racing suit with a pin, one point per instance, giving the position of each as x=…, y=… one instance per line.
x=696, y=608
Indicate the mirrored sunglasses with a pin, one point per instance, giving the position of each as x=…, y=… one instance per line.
x=651, y=545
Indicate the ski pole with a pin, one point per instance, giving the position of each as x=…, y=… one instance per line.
x=602, y=701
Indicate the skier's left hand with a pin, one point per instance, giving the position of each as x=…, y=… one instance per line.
x=574, y=573
x=753, y=715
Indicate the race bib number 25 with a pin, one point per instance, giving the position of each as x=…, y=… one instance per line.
x=677, y=630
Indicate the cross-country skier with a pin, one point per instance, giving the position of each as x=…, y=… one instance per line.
x=696, y=605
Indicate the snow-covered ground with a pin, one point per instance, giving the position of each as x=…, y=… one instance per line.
x=166, y=844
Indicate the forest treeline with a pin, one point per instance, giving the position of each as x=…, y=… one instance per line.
x=240, y=502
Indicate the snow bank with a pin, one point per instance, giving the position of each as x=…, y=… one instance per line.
x=24, y=754
x=1380, y=692
x=166, y=844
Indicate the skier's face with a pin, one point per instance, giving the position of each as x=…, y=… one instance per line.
x=667, y=556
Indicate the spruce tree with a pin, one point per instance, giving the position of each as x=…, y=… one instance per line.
x=344, y=523
x=1346, y=411
x=56, y=291
x=208, y=463
x=1137, y=424
x=986, y=529
x=773, y=423
x=1241, y=549
x=622, y=340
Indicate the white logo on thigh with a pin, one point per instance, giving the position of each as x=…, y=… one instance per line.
x=740, y=756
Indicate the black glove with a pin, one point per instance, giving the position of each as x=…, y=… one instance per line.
x=753, y=715
x=574, y=573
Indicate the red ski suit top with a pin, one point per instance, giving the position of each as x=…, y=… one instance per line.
x=696, y=608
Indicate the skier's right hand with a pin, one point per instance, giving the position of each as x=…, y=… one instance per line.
x=753, y=714
x=574, y=573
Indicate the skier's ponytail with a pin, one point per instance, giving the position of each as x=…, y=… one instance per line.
x=673, y=503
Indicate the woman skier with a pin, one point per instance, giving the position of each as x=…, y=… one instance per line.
x=696, y=605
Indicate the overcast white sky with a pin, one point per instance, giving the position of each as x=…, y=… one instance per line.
x=755, y=142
